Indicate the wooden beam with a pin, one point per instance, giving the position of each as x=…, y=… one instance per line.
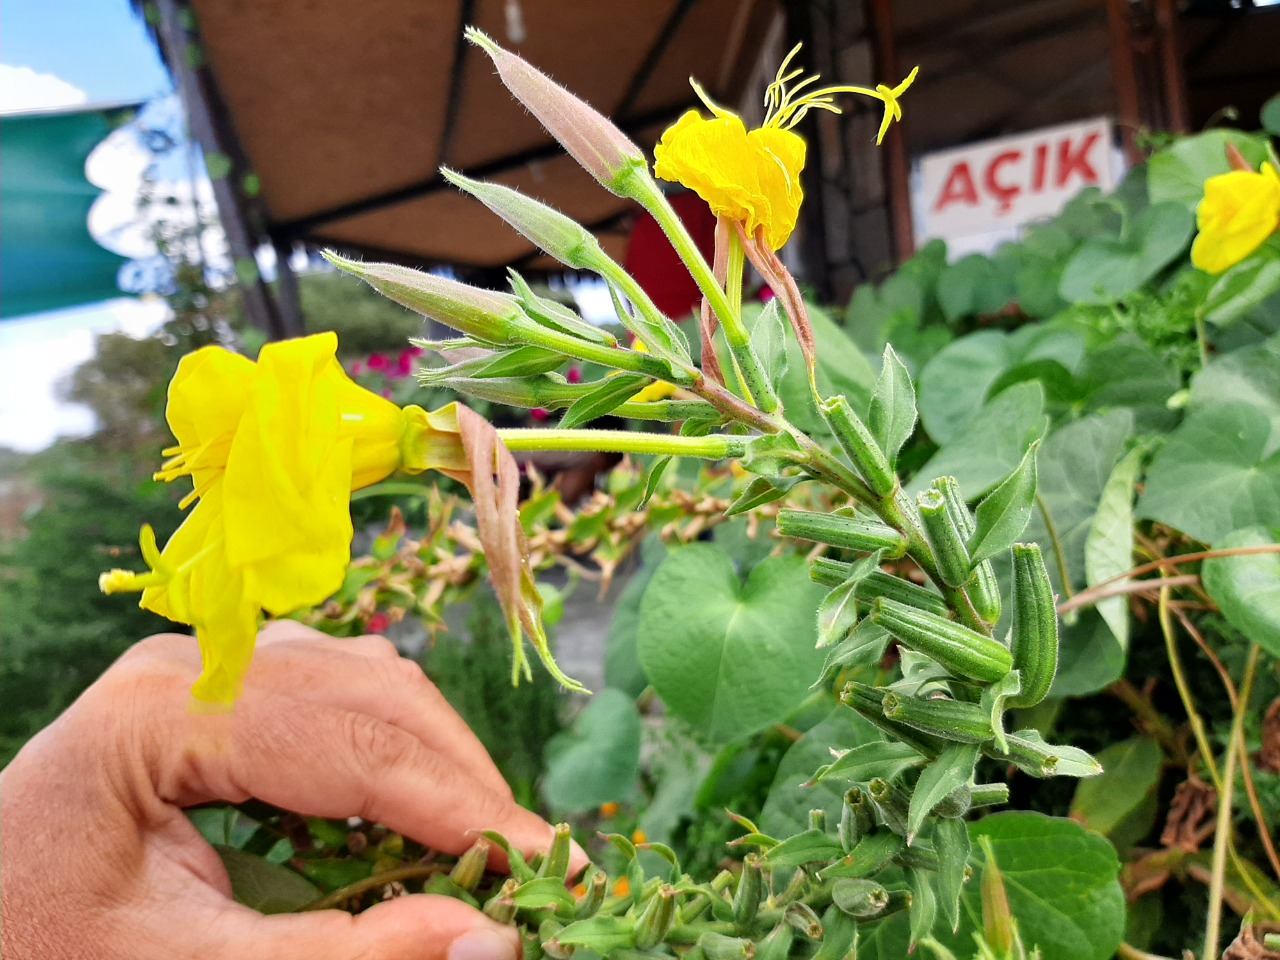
x=897, y=173
x=211, y=127
x=1125, y=74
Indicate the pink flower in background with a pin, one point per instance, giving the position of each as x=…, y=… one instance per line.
x=414, y=351
x=378, y=622
x=379, y=361
x=404, y=363
x=357, y=368
x=575, y=375
x=539, y=414
x=766, y=294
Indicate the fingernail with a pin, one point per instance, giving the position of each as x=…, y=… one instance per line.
x=578, y=858
x=484, y=945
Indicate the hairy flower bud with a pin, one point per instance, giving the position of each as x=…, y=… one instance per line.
x=601, y=148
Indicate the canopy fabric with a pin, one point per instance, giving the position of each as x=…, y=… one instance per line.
x=48, y=260
x=345, y=118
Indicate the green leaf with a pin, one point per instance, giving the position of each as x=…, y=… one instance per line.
x=600, y=934
x=1105, y=270
x=1243, y=288
x=810, y=846
x=951, y=844
x=924, y=904
x=1088, y=656
x=653, y=478
x=543, y=892
x=622, y=668
x=787, y=806
x=953, y=768
x=1218, y=472
x=759, y=491
x=962, y=377
x=729, y=658
x=1131, y=772
x=769, y=339
x=1070, y=761
x=838, y=611
x=864, y=647
x=1247, y=587
x=266, y=887
x=892, y=417
x=993, y=700
x=969, y=287
x=612, y=392
x=1003, y=515
x=1178, y=172
x=880, y=758
x=597, y=761
x=1108, y=548
x=993, y=443
x=1251, y=376
x=1062, y=883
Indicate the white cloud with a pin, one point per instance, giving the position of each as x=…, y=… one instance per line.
x=36, y=353
x=22, y=88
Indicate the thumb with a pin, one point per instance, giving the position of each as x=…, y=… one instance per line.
x=415, y=927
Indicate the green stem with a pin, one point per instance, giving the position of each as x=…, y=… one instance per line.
x=715, y=447
x=641, y=187
x=1184, y=691
x=613, y=272
x=337, y=898
x=1059, y=556
x=1202, y=338
x=1222, y=832
x=617, y=357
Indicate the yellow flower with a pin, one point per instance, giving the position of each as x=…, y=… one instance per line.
x=1239, y=211
x=753, y=177
x=658, y=390
x=274, y=450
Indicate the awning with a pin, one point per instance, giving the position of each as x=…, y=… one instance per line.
x=48, y=260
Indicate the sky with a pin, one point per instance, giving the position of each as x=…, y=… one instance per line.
x=56, y=53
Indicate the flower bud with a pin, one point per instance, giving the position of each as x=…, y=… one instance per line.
x=601, y=148
x=565, y=239
x=483, y=314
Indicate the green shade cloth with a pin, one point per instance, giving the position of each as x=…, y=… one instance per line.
x=48, y=260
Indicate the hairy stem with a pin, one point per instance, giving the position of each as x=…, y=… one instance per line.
x=715, y=447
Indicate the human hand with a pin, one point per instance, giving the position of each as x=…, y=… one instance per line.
x=100, y=861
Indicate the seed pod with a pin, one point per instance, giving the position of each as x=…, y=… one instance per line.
x=501, y=907
x=860, y=445
x=777, y=945
x=892, y=802
x=818, y=820
x=988, y=794
x=856, y=818
x=469, y=869
x=956, y=803
x=860, y=898
x=531, y=946
x=804, y=920
x=869, y=702
x=597, y=884
x=716, y=946
x=984, y=588
x=947, y=542
x=556, y=863
x=851, y=533
x=1035, y=626
x=959, y=650
x=943, y=718
x=751, y=889
x=658, y=916
x=877, y=583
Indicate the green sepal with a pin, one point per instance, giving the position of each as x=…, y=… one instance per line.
x=952, y=769
x=951, y=844
x=555, y=315
x=1003, y=514
x=892, y=416
x=523, y=361
x=604, y=398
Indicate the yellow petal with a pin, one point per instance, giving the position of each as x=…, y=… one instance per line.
x=207, y=397
x=1239, y=211
x=752, y=178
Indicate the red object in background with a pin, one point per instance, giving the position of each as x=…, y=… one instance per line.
x=654, y=263
x=378, y=622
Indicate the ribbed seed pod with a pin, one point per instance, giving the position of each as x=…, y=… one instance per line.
x=946, y=540
x=984, y=588
x=958, y=649
x=869, y=702
x=751, y=889
x=658, y=916
x=877, y=583
x=943, y=718
x=1034, y=639
x=893, y=803
x=851, y=533
x=860, y=445
x=856, y=818
x=988, y=794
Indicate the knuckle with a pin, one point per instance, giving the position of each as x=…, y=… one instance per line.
x=376, y=745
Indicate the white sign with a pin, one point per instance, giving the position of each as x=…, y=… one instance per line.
x=999, y=185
